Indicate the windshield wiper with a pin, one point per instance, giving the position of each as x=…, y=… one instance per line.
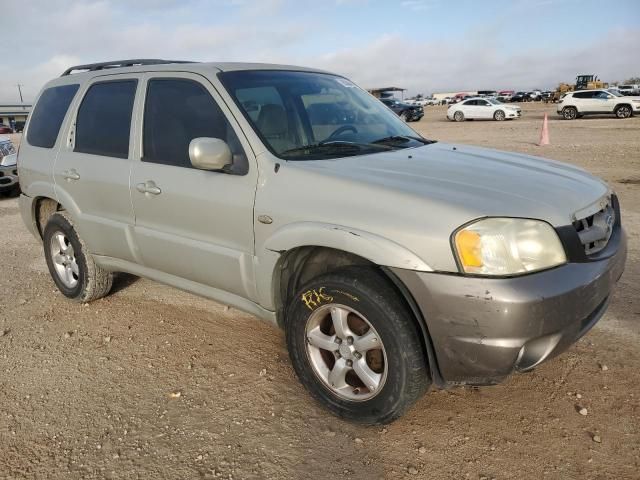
x=395, y=139
x=333, y=147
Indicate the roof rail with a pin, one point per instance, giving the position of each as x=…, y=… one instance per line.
x=92, y=67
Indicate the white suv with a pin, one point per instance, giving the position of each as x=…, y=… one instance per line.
x=596, y=102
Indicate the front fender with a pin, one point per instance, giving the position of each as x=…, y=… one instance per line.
x=374, y=248
x=378, y=250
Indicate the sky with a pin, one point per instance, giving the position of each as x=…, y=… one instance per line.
x=425, y=46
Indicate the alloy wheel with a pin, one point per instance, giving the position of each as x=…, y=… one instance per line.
x=345, y=352
x=623, y=112
x=64, y=260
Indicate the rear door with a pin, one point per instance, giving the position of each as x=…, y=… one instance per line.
x=190, y=223
x=585, y=102
x=92, y=169
x=469, y=108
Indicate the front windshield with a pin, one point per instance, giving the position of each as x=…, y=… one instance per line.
x=616, y=93
x=312, y=116
x=494, y=101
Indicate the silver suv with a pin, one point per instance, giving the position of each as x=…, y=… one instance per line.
x=392, y=262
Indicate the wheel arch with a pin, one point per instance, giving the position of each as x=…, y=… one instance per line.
x=300, y=265
x=623, y=105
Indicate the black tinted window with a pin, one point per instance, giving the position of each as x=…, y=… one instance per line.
x=104, y=119
x=176, y=111
x=47, y=117
x=583, y=95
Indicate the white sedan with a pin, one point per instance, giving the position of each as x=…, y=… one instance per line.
x=482, y=108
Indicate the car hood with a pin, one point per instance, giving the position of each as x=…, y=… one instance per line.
x=471, y=182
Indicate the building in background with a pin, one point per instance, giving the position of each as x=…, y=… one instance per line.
x=386, y=92
x=14, y=115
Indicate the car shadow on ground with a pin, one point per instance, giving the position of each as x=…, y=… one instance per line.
x=123, y=280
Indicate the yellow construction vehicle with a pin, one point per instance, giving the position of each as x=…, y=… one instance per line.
x=583, y=82
x=589, y=82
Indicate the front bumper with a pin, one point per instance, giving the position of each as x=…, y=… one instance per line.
x=8, y=178
x=483, y=329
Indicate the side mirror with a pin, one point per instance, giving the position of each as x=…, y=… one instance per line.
x=209, y=153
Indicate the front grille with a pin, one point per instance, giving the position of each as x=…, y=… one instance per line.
x=595, y=230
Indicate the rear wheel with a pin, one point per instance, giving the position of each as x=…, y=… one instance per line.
x=623, y=111
x=499, y=115
x=569, y=113
x=356, y=347
x=72, y=268
x=458, y=116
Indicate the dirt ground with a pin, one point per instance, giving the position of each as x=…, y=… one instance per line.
x=91, y=391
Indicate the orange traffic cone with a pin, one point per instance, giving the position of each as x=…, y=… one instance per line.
x=544, y=134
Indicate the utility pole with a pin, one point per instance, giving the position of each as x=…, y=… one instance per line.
x=20, y=92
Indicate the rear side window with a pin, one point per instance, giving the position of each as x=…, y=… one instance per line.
x=48, y=115
x=104, y=119
x=583, y=95
x=178, y=110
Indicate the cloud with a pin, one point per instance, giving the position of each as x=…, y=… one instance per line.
x=51, y=37
x=466, y=64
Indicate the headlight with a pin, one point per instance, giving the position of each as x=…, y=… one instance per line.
x=508, y=246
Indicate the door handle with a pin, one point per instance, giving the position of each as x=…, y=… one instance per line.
x=71, y=174
x=149, y=187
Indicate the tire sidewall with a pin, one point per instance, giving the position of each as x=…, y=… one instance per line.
x=458, y=116
x=499, y=115
x=570, y=116
x=621, y=109
x=388, y=402
x=59, y=223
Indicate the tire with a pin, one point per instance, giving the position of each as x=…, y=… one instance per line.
x=71, y=266
x=499, y=116
x=458, y=116
x=363, y=304
x=569, y=113
x=623, y=111
x=404, y=116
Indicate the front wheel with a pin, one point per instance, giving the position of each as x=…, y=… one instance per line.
x=623, y=111
x=356, y=347
x=499, y=115
x=458, y=116
x=404, y=116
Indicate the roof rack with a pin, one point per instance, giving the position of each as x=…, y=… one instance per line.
x=92, y=67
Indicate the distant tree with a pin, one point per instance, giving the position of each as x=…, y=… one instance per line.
x=632, y=80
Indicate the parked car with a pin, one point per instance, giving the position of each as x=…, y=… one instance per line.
x=519, y=97
x=9, y=184
x=5, y=128
x=597, y=102
x=534, y=96
x=446, y=101
x=629, y=90
x=392, y=262
x=487, y=93
x=408, y=113
x=505, y=95
x=482, y=108
x=426, y=101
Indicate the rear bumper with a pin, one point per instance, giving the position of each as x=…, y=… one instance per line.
x=8, y=178
x=484, y=329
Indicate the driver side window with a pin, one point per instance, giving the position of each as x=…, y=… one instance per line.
x=176, y=111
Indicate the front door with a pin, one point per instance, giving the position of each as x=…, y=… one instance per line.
x=603, y=102
x=92, y=169
x=190, y=223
